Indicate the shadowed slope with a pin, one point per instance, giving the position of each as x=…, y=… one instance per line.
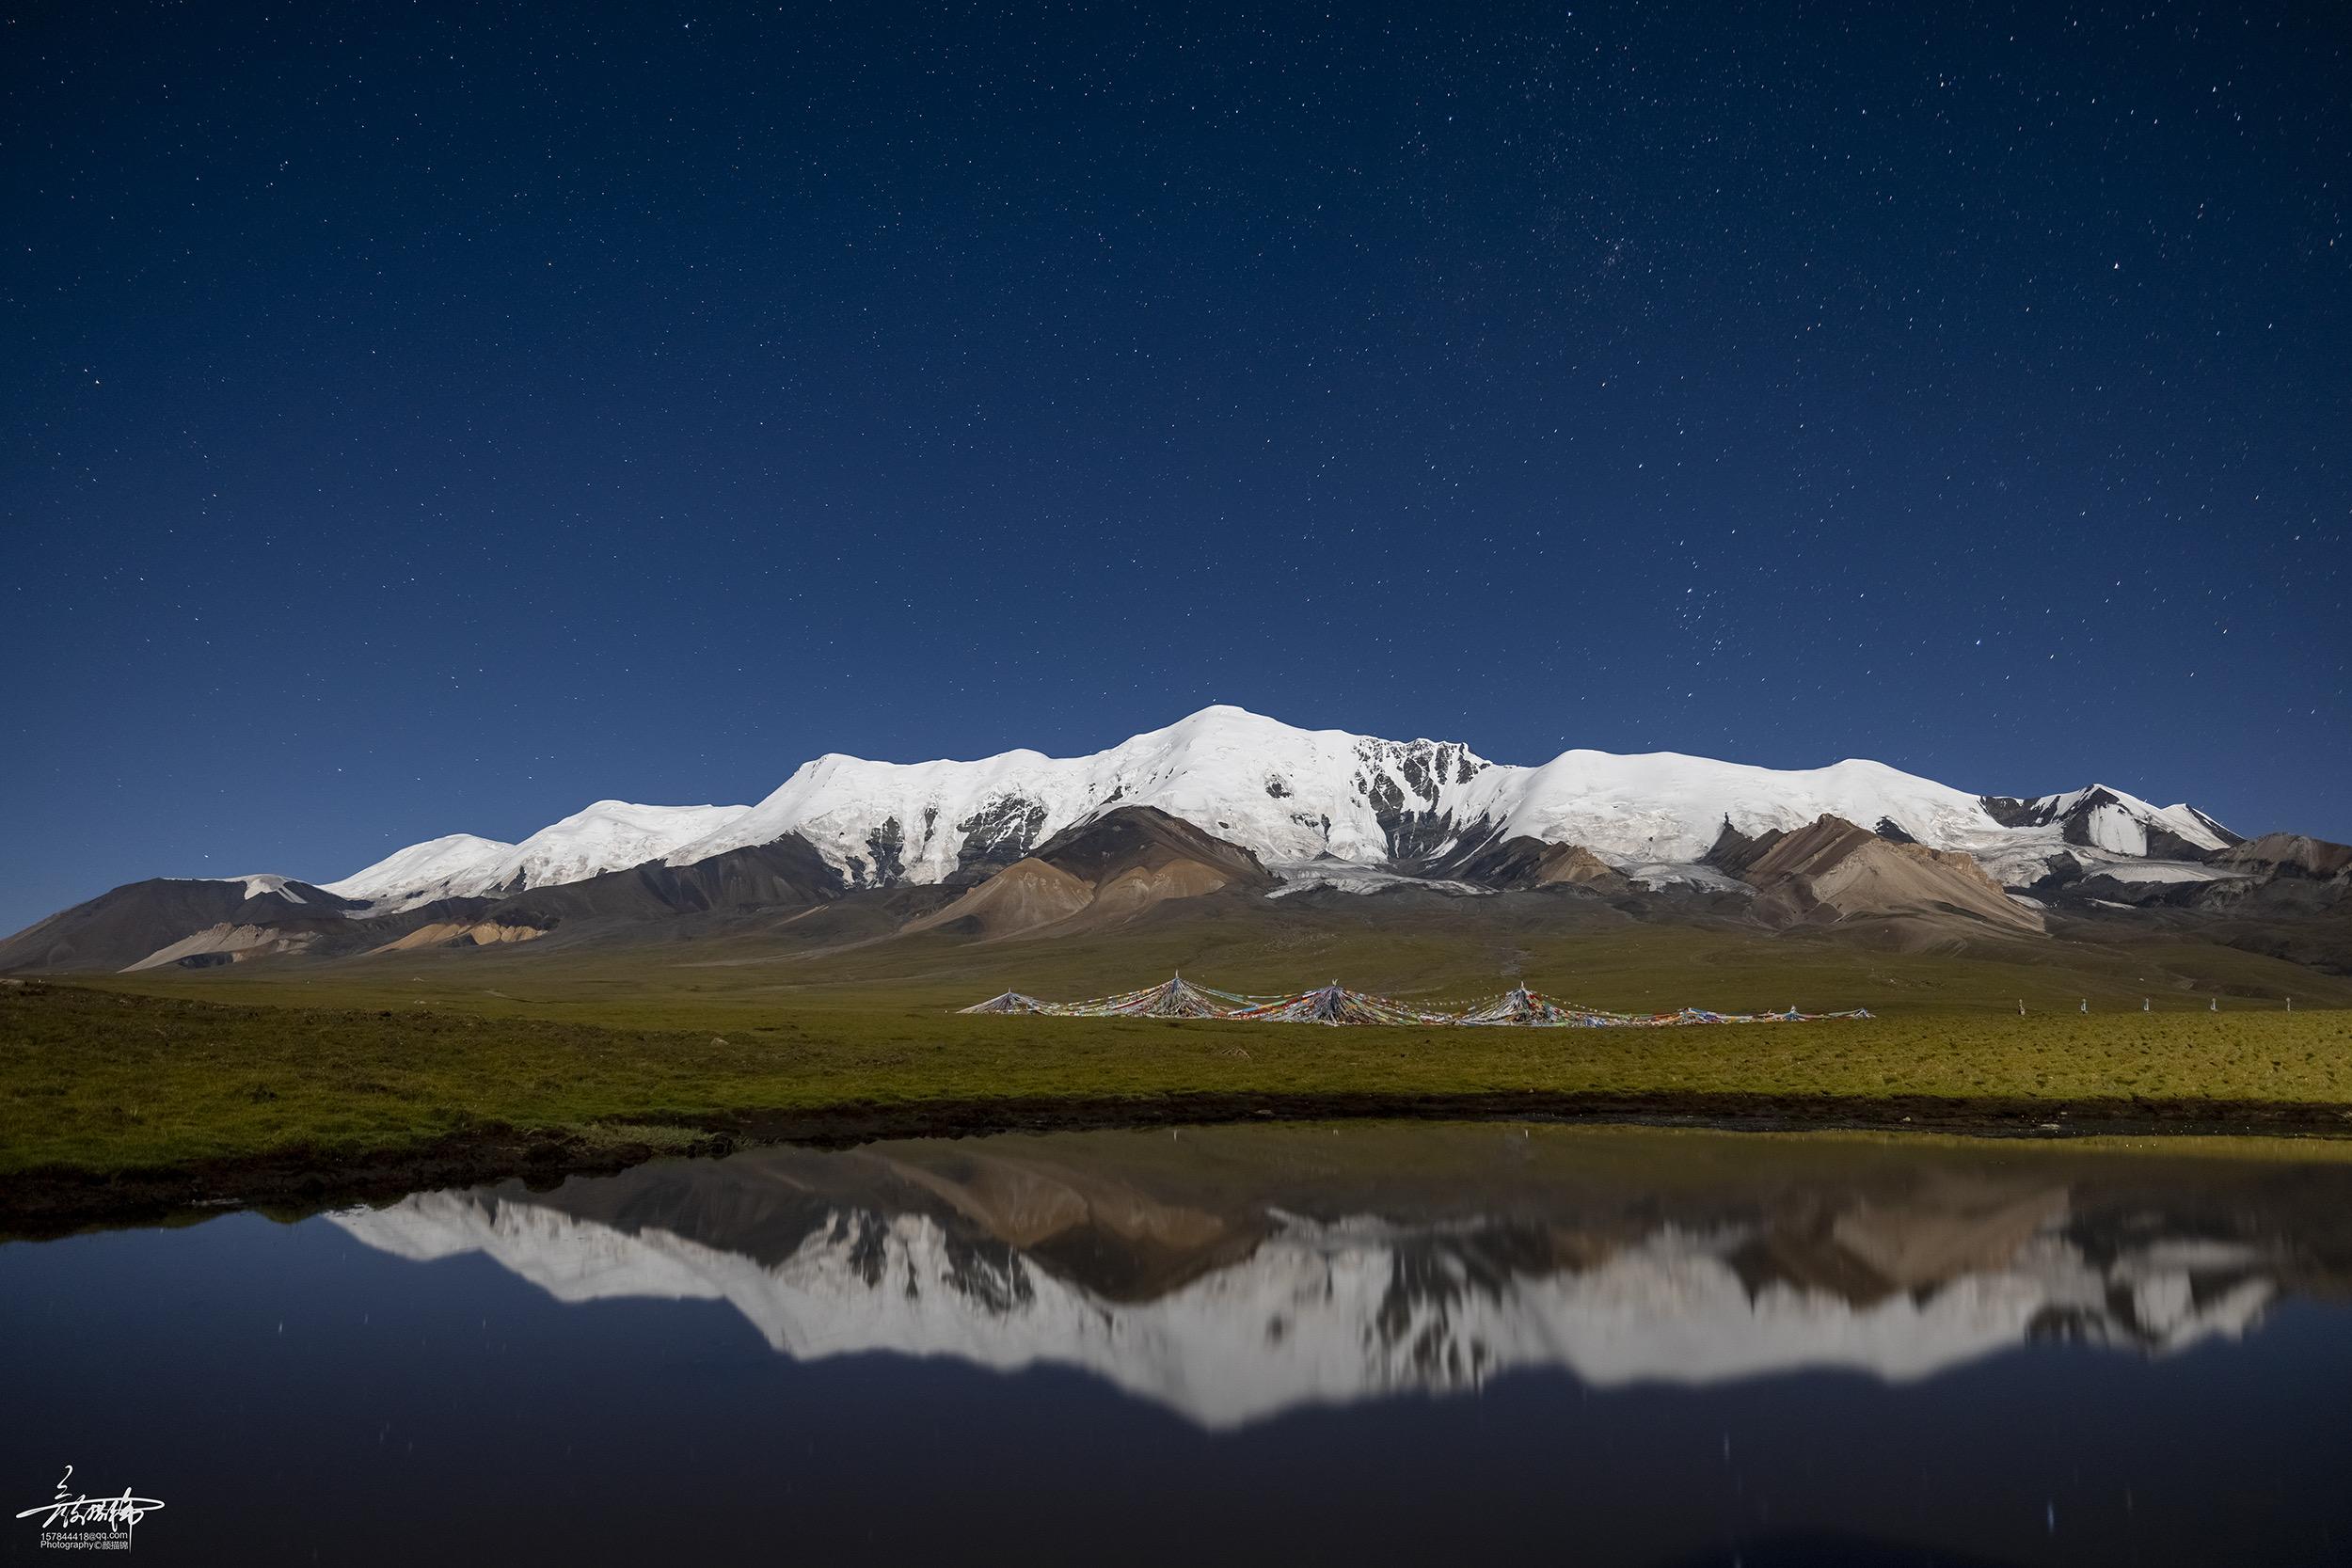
x=127, y=926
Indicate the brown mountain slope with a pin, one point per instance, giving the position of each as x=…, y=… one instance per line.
x=1139, y=838
x=125, y=927
x=1832, y=871
x=1532, y=862
x=1100, y=873
x=1025, y=895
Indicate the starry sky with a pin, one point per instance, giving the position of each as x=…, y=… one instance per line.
x=433, y=416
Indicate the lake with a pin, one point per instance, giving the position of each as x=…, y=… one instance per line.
x=1367, y=1342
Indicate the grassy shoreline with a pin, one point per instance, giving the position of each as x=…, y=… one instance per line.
x=116, y=1099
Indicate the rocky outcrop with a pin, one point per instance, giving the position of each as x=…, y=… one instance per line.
x=2290, y=855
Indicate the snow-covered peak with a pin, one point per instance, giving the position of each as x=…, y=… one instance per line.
x=1288, y=794
x=423, y=872
x=609, y=836
x=1664, y=806
x=2120, y=822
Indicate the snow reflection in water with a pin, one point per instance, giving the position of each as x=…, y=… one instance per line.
x=1231, y=1274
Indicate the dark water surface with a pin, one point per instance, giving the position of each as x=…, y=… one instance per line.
x=1370, y=1344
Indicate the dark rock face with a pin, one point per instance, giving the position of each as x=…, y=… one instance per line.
x=1140, y=836
x=1892, y=830
x=1734, y=851
x=2109, y=889
x=2290, y=855
x=2009, y=811
x=1463, y=847
x=1515, y=864
x=1401, y=784
x=785, y=874
x=999, y=834
x=1416, y=835
x=2063, y=872
x=886, y=845
x=2166, y=844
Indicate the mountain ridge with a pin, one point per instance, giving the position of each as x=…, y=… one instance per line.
x=1290, y=795
x=1232, y=804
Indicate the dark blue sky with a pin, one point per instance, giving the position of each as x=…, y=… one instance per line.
x=435, y=418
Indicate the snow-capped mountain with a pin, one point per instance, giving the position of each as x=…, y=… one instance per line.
x=1286, y=794
x=454, y=866
x=1667, y=807
x=1292, y=797
x=1318, y=810
x=609, y=835
x=1331, y=1312
x=2112, y=820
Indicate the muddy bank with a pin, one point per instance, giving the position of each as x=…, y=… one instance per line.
x=302, y=1181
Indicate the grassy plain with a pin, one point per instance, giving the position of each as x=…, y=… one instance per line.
x=744, y=976
x=162, y=1076
x=592, y=1044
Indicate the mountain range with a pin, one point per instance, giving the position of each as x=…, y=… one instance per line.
x=1285, y=1268
x=1231, y=804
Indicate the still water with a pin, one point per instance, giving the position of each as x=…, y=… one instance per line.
x=1298, y=1344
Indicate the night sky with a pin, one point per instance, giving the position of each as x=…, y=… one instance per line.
x=435, y=418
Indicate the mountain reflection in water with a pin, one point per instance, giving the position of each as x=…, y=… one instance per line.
x=1234, y=1273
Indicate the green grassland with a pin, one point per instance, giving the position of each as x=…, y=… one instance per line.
x=103, y=1080
x=1452, y=951
x=159, y=1071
